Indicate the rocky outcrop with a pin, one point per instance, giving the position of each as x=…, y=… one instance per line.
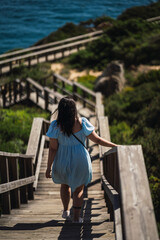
x=112, y=79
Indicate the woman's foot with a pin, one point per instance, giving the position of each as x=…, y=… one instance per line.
x=79, y=221
x=66, y=215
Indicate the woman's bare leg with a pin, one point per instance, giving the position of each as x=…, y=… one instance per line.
x=65, y=196
x=77, y=202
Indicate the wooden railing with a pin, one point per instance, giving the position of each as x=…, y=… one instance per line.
x=126, y=187
x=48, y=45
x=74, y=89
x=45, y=55
x=28, y=89
x=16, y=176
x=36, y=144
x=19, y=173
x=154, y=19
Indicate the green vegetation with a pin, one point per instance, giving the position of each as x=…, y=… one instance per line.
x=134, y=42
x=15, y=127
x=134, y=116
x=87, y=81
x=143, y=12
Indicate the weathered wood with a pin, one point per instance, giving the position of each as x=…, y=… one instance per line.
x=39, y=162
x=28, y=56
x=5, y=187
x=34, y=138
x=23, y=174
x=30, y=172
x=14, y=175
x=4, y=173
x=35, y=84
x=104, y=132
x=138, y=214
x=15, y=155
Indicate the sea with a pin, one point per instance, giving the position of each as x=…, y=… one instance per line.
x=24, y=22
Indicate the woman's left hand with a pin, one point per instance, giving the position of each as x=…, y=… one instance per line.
x=48, y=173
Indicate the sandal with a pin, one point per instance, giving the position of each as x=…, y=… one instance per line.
x=66, y=215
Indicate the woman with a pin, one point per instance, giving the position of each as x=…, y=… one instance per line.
x=71, y=161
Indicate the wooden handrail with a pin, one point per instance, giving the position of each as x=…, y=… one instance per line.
x=154, y=19
x=125, y=182
x=16, y=171
x=6, y=187
x=44, y=52
x=35, y=48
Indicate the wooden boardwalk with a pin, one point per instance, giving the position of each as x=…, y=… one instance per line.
x=41, y=218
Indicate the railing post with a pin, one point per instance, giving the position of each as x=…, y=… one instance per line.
x=23, y=174
x=74, y=92
x=46, y=98
x=29, y=171
x=84, y=96
x=5, y=197
x=28, y=89
x=54, y=83
x=10, y=93
x=15, y=91
x=4, y=91
x=63, y=87
x=14, y=175
x=37, y=95
x=29, y=62
x=10, y=66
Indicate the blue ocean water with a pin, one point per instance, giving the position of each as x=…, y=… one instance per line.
x=24, y=22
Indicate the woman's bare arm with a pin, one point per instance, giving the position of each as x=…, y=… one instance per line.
x=53, y=146
x=101, y=141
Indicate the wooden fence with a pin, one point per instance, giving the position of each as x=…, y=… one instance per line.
x=126, y=187
x=20, y=90
x=45, y=53
x=17, y=177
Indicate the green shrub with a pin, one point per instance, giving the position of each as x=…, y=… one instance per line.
x=88, y=81
x=143, y=12
x=15, y=127
x=155, y=191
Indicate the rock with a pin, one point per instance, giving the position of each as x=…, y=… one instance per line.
x=112, y=79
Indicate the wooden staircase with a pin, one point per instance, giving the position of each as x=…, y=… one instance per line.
x=41, y=218
x=120, y=171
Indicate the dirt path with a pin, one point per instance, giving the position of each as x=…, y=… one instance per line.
x=72, y=74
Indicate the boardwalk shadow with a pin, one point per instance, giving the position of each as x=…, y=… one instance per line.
x=32, y=226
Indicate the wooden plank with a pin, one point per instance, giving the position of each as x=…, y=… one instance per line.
x=13, y=176
x=35, y=84
x=51, y=50
x=114, y=198
x=4, y=173
x=39, y=162
x=5, y=187
x=23, y=174
x=15, y=155
x=104, y=132
x=63, y=79
x=34, y=138
x=137, y=208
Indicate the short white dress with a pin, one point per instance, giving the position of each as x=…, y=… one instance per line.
x=72, y=163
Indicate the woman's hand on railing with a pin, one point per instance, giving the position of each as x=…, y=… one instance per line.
x=48, y=173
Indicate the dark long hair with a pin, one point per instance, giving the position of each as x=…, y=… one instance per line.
x=67, y=112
